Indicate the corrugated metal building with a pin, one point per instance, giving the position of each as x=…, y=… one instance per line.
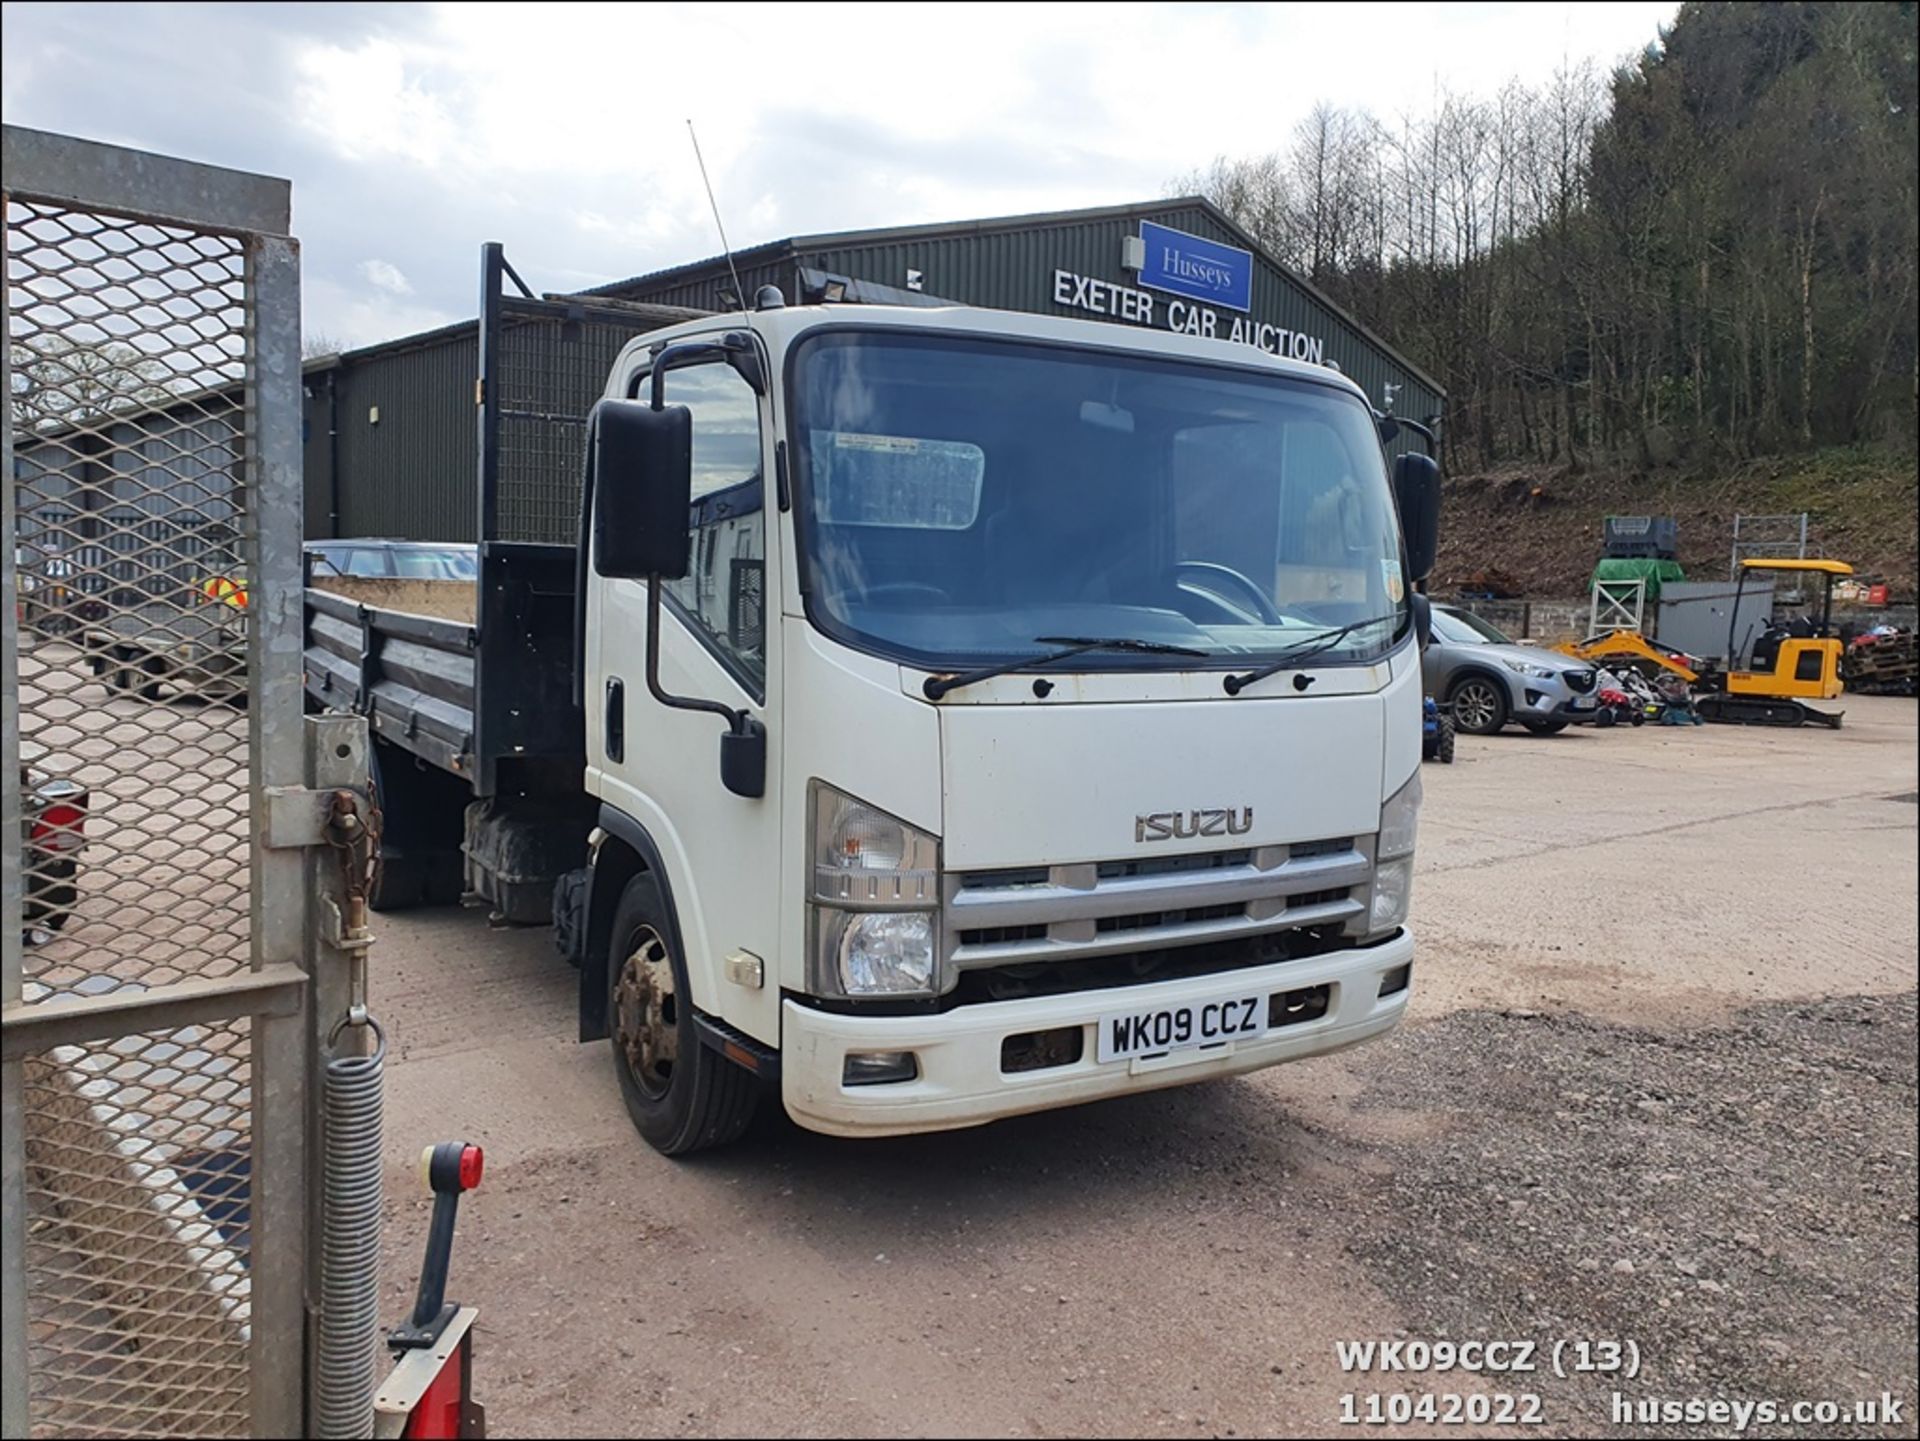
x=132, y=507
x=391, y=437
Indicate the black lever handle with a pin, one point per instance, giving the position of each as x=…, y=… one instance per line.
x=450, y=1168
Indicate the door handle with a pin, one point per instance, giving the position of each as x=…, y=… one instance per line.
x=614, y=734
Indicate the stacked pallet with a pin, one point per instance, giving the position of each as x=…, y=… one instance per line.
x=1882, y=664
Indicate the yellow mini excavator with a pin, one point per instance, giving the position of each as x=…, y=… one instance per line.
x=1787, y=664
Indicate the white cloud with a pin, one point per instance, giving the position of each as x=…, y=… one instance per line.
x=355, y=316
x=372, y=103
x=415, y=133
x=384, y=275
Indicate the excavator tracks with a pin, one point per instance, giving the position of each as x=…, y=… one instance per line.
x=1741, y=710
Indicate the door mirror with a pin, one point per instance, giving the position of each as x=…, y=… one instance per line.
x=1422, y=618
x=1416, y=491
x=642, y=486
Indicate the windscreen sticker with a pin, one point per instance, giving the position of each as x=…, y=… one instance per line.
x=1390, y=573
x=844, y=440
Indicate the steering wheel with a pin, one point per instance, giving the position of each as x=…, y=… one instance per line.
x=1262, y=606
x=904, y=589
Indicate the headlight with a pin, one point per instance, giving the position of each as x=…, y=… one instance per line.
x=1526, y=667
x=864, y=857
x=882, y=953
x=1392, y=891
x=1399, y=820
x=875, y=901
x=1393, y=859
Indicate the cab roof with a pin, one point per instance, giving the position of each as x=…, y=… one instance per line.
x=787, y=323
x=1825, y=567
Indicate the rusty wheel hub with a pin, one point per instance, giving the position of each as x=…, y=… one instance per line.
x=645, y=1018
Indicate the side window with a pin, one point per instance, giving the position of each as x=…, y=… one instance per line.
x=367, y=561
x=722, y=594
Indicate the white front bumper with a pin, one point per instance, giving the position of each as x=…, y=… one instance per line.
x=961, y=1083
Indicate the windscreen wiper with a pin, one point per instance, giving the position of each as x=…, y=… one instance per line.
x=1237, y=683
x=936, y=686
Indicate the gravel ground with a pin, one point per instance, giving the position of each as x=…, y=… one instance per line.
x=1663, y=1017
x=1739, y=1201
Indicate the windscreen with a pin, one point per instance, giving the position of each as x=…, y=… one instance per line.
x=962, y=501
x=429, y=563
x=1465, y=628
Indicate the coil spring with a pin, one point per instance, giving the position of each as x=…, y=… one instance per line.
x=352, y=1092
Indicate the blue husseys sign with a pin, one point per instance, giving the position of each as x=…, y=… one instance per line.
x=1183, y=264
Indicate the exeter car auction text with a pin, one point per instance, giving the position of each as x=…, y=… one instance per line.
x=1123, y=302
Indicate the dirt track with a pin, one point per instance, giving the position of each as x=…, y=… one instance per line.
x=1624, y=1105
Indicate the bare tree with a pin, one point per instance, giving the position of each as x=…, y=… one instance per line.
x=60, y=382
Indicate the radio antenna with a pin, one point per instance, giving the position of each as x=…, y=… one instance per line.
x=725, y=249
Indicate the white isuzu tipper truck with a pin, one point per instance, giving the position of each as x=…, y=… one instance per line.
x=974, y=712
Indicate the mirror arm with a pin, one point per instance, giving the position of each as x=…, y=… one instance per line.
x=735, y=348
x=743, y=747
x=1431, y=441
x=736, y=719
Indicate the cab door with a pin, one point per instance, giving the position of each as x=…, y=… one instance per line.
x=661, y=765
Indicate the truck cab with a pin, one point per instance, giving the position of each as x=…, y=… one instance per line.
x=987, y=712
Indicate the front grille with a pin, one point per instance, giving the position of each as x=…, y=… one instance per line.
x=1170, y=865
x=1000, y=935
x=1305, y=850
x=1127, y=907
x=1578, y=681
x=1068, y=976
x=1006, y=880
x=1153, y=920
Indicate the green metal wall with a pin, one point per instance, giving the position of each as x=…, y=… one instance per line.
x=1010, y=265
x=1014, y=270
x=410, y=473
x=316, y=454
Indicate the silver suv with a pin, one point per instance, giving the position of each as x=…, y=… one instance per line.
x=1488, y=679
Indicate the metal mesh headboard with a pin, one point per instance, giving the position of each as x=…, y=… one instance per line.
x=551, y=371
x=543, y=362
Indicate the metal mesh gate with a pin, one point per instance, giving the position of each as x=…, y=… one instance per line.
x=155, y=1053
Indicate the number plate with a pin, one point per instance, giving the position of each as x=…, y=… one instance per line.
x=1181, y=1028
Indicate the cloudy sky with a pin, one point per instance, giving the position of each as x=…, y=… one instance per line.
x=413, y=133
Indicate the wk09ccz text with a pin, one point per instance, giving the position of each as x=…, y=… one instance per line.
x=1182, y=825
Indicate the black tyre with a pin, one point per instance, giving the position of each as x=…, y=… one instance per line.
x=1443, y=744
x=683, y=1096
x=1547, y=728
x=114, y=673
x=1479, y=705
x=51, y=898
x=155, y=669
x=419, y=861
x=399, y=881
x=1604, y=717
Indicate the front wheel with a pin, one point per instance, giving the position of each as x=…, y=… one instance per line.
x=1479, y=705
x=681, y=1095
x=1443, y=746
